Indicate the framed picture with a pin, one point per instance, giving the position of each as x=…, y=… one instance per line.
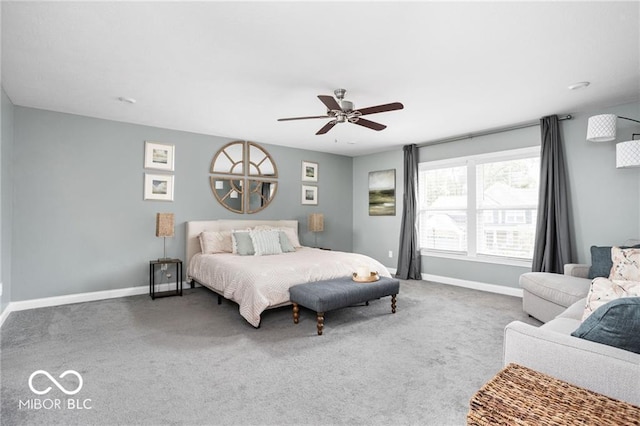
x=158, y=187
x=382, y=193
x=158, y=156
x=309, y=195
x=309, y=171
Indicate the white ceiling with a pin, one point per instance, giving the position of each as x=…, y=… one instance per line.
x=232, y=69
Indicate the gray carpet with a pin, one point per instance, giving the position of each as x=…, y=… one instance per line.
x=186, y=360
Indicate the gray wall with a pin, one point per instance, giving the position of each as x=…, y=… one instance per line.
x=604, y=201
x=79, y=220
x=6, y=201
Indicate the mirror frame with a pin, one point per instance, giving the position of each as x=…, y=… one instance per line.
x=247, y=177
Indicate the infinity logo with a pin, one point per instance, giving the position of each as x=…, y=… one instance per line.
x=55, y=382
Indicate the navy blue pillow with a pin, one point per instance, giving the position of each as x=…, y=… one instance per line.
x=616, y=323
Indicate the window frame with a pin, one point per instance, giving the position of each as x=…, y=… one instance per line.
x=471, y=161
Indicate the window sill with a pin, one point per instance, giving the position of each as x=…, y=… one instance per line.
x=481, y=259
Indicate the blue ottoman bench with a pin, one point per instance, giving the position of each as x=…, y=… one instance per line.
x=324, y=296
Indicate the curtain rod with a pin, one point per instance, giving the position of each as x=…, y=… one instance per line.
x=490, y=132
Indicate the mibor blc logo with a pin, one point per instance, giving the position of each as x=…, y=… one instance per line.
x=55, y=403
x=55, y=382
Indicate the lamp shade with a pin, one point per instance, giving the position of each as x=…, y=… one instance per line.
x=164, y=225
x=601, y=128
x=316, y=222
x=628, y=154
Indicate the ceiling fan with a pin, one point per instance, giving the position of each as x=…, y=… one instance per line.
x=341, y=111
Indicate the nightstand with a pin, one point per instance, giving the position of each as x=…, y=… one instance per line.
x=152, y=277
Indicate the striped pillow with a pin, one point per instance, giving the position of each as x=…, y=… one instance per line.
x=266, y=242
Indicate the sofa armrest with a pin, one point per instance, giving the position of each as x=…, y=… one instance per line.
x=604, y=369
x=577, y=270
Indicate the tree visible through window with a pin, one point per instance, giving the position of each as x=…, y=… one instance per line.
x=484, y=205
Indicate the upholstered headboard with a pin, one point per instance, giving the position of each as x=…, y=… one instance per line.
x=194, y=228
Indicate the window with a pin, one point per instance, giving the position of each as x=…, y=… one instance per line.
x=480, y=206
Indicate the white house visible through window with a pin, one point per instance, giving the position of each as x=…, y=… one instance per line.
x=480, y=206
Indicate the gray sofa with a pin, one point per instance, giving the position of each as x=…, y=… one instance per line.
x=559, y=300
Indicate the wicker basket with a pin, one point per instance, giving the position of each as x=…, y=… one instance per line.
x=520, y=396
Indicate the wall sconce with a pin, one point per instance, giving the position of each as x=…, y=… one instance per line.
x=164, y=229
x=628, y=153
x=602, y=128
x=315, y=224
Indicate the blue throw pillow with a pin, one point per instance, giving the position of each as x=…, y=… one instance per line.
x=616, y=323
x=242, y=243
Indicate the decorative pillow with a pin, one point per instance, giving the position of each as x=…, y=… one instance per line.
x=285, y=244
x=266, y=242
x=291, y=233
x=242, y=243
x=216, y=242
x=626, y=264
x=601, y=261
x=604, y=290
x=616, y=323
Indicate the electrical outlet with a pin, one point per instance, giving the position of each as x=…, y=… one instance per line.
x=390, y=253
x=0, y=289
x=163, y=267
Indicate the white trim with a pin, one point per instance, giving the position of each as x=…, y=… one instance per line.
x=80, y=298
x=475, y=285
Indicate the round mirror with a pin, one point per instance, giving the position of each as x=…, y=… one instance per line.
x=254, y=167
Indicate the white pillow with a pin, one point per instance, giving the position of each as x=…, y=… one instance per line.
x=266, y=242
x=215, y=242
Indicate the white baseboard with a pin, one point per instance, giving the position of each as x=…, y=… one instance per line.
x=476, y=285
x=81, y=297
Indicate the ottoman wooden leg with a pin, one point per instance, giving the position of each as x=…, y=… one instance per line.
x=320, y=323
x=393, y=303
x=296, y=313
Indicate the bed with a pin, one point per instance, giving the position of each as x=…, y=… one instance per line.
x=260, y=282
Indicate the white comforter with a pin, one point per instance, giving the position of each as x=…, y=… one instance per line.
x=259, y=282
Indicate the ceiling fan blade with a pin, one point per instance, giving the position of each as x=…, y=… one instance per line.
x=326, y=127
x=381, y=108
x=302, y=118
x=370, y=124
x=330, y=102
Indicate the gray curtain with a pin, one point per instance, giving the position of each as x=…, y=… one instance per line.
x=552, y=244
x=409, y=252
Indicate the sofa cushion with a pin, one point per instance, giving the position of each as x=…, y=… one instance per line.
x=561, y=289
x=616, y=323
x=562, y=325
x=574, y=311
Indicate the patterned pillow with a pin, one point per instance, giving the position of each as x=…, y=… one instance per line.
x=242, y=243
x=266, y=242
x=291, y=233
x=624, y=280
x=216, y=242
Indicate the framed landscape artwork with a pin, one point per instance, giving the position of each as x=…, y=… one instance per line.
x=158, y=187
x=309, y=171
x=309, y=195
x=382, y=193
x=158, y=156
